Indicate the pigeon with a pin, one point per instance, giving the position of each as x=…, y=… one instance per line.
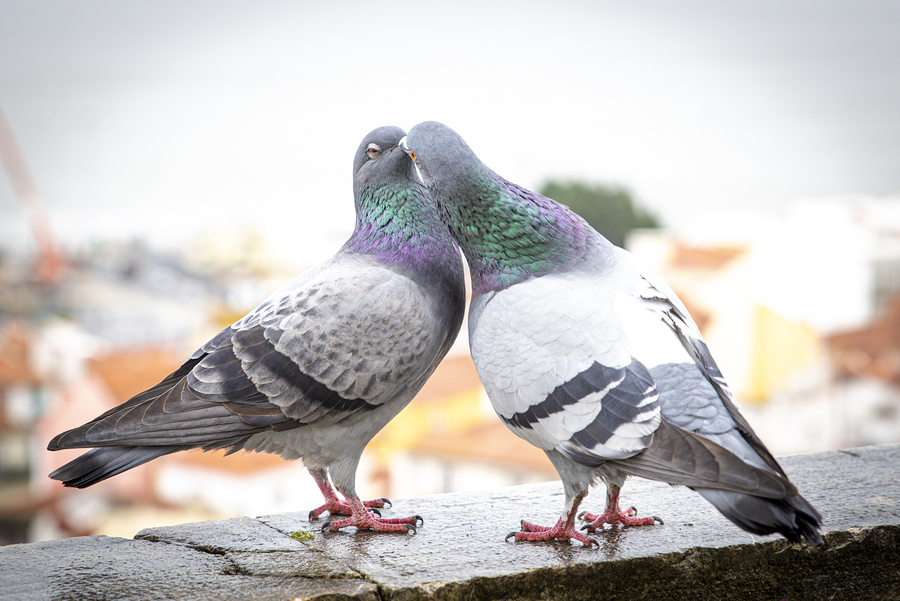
x=587, y=354
x=318, y=368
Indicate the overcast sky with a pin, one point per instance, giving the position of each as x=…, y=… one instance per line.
x=171, y=119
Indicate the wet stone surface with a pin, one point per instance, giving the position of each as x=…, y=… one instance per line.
x=460, y=551
x=235, y=534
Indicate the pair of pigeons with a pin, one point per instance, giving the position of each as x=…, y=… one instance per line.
x=583, y=352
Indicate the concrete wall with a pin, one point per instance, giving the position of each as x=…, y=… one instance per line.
x=460, y=552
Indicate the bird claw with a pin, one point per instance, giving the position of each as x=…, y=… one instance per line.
x=589, y=540
x=366, y=521
x=613, y=515
x=313, y=515
x=658, y=520
x=386, y=502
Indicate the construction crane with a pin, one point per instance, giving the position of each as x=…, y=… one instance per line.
x=51, y=263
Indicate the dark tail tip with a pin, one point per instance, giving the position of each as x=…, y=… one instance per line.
x=807, y=527
x=793, y=517
x=105, y=462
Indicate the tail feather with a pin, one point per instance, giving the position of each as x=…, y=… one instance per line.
x=792, y=517
x=105, y=462
x=679, y=456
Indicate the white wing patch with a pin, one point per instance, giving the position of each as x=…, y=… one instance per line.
x=534, y=336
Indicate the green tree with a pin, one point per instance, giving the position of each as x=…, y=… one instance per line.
x=609, y=209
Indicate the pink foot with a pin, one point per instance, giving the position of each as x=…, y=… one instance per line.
x=624, y=517
x=563, y=530
x=337, y=507
x=369, y=522
x=613, y=515
x=362, y=519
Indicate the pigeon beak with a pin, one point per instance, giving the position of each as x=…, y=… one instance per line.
x=412, y=155
x=406, y=149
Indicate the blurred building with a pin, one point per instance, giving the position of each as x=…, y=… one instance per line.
x=118, y=321
x=758, y=348
x=23, y=395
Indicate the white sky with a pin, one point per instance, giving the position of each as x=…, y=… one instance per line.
x=171, y=119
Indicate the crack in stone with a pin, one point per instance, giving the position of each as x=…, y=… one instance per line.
x=308, y=545
x=210, y=549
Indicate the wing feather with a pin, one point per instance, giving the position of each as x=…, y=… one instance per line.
x=286, y=364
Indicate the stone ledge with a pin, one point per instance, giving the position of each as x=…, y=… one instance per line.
x=460, y=551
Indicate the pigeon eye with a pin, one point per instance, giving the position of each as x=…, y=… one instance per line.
x=373, y=150
x=412, y=155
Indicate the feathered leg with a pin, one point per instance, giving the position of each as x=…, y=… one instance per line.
x=613, y=515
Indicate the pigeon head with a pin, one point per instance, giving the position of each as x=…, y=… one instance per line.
x=443, y=157
x=379, y=158
x=508, y=234
x=396, y=219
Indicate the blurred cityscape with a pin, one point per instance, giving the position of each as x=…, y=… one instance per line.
x=802, y=311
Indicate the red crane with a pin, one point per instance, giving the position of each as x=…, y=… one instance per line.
x=50, y=264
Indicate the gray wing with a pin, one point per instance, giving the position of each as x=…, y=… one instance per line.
x=334, y=344
x=346, y=342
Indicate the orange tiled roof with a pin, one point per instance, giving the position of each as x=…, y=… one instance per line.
x=701, y=257
x=873, y=350
x=15, y=347
x=129, y=372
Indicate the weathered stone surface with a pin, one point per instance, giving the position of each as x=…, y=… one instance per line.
x=308, y=564
x=104, y=568
x=235, y=534
x=460, y=552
